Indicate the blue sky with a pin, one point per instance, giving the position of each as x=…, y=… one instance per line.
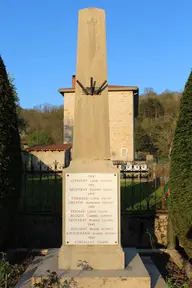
x=149, y=44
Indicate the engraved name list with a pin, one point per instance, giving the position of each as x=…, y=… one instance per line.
x=92, y=209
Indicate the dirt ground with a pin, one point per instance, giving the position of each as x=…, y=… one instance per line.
x=172, y=274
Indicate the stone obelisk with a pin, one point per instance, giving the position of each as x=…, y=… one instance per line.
x=91, y=122
x=91, y=185
x=91, y=253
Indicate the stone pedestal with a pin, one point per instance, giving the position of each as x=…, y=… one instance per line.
x=134, y=276
x=91, y=257
x=99, y=257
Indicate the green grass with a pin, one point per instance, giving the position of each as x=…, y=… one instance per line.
x=140, y=196
x=164, y=160
x=44, y=195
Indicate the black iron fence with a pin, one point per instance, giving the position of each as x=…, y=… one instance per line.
x=141, y=188
x=39, y=222
x=41, y=188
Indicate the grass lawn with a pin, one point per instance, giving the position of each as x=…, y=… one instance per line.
x=140, y=196
x=164, y=160
x=41, y=194
x=44, y=195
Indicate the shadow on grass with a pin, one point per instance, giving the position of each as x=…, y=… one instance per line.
x=141, y=196
x=42, y=193
x=40, y=222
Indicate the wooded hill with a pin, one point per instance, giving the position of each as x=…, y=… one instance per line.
x=44, y=125
x=155, y=124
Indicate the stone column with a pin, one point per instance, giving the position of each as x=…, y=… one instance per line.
x=91, y=185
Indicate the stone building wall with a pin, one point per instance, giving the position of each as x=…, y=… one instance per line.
x=121, y=121
x=52, y=159
x=48, y=158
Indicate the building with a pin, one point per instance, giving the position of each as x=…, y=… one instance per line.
x=123, y=110
x=50, y=156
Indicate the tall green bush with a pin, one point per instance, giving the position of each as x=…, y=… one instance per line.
x=22, y=125
x=10, y=155
x=180, y=207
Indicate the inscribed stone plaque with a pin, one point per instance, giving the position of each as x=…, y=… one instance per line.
x=91, y=201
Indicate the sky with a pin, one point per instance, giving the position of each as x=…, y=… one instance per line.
x=149, y=44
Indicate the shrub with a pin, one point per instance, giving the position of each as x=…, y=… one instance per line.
x=7, y=271
x=180, y=207
x=10, y=154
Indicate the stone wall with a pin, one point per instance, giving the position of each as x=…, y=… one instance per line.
x=161, y=225
x=144, y=230
x=121, y=121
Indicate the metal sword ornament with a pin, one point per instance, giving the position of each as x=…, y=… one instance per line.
x=92, y=90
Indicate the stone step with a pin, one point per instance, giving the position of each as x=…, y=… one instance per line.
x=140, y=272
x=157, y=280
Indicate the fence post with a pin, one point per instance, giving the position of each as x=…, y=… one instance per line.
x=171, y=239
x=163, y=189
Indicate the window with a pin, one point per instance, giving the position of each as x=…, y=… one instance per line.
x=124, y=152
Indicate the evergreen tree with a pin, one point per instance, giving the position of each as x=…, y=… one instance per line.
x=151, y=108
x=143, y=142
x=22, y=125
x=10, y=155
x=180, y=208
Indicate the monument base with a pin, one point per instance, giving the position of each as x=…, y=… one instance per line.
x=134, y=276
x=91, y=257
x=99, y=257
x=96, y=279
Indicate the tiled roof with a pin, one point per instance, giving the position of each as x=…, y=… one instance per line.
x=49, y=147
x=110, y=87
